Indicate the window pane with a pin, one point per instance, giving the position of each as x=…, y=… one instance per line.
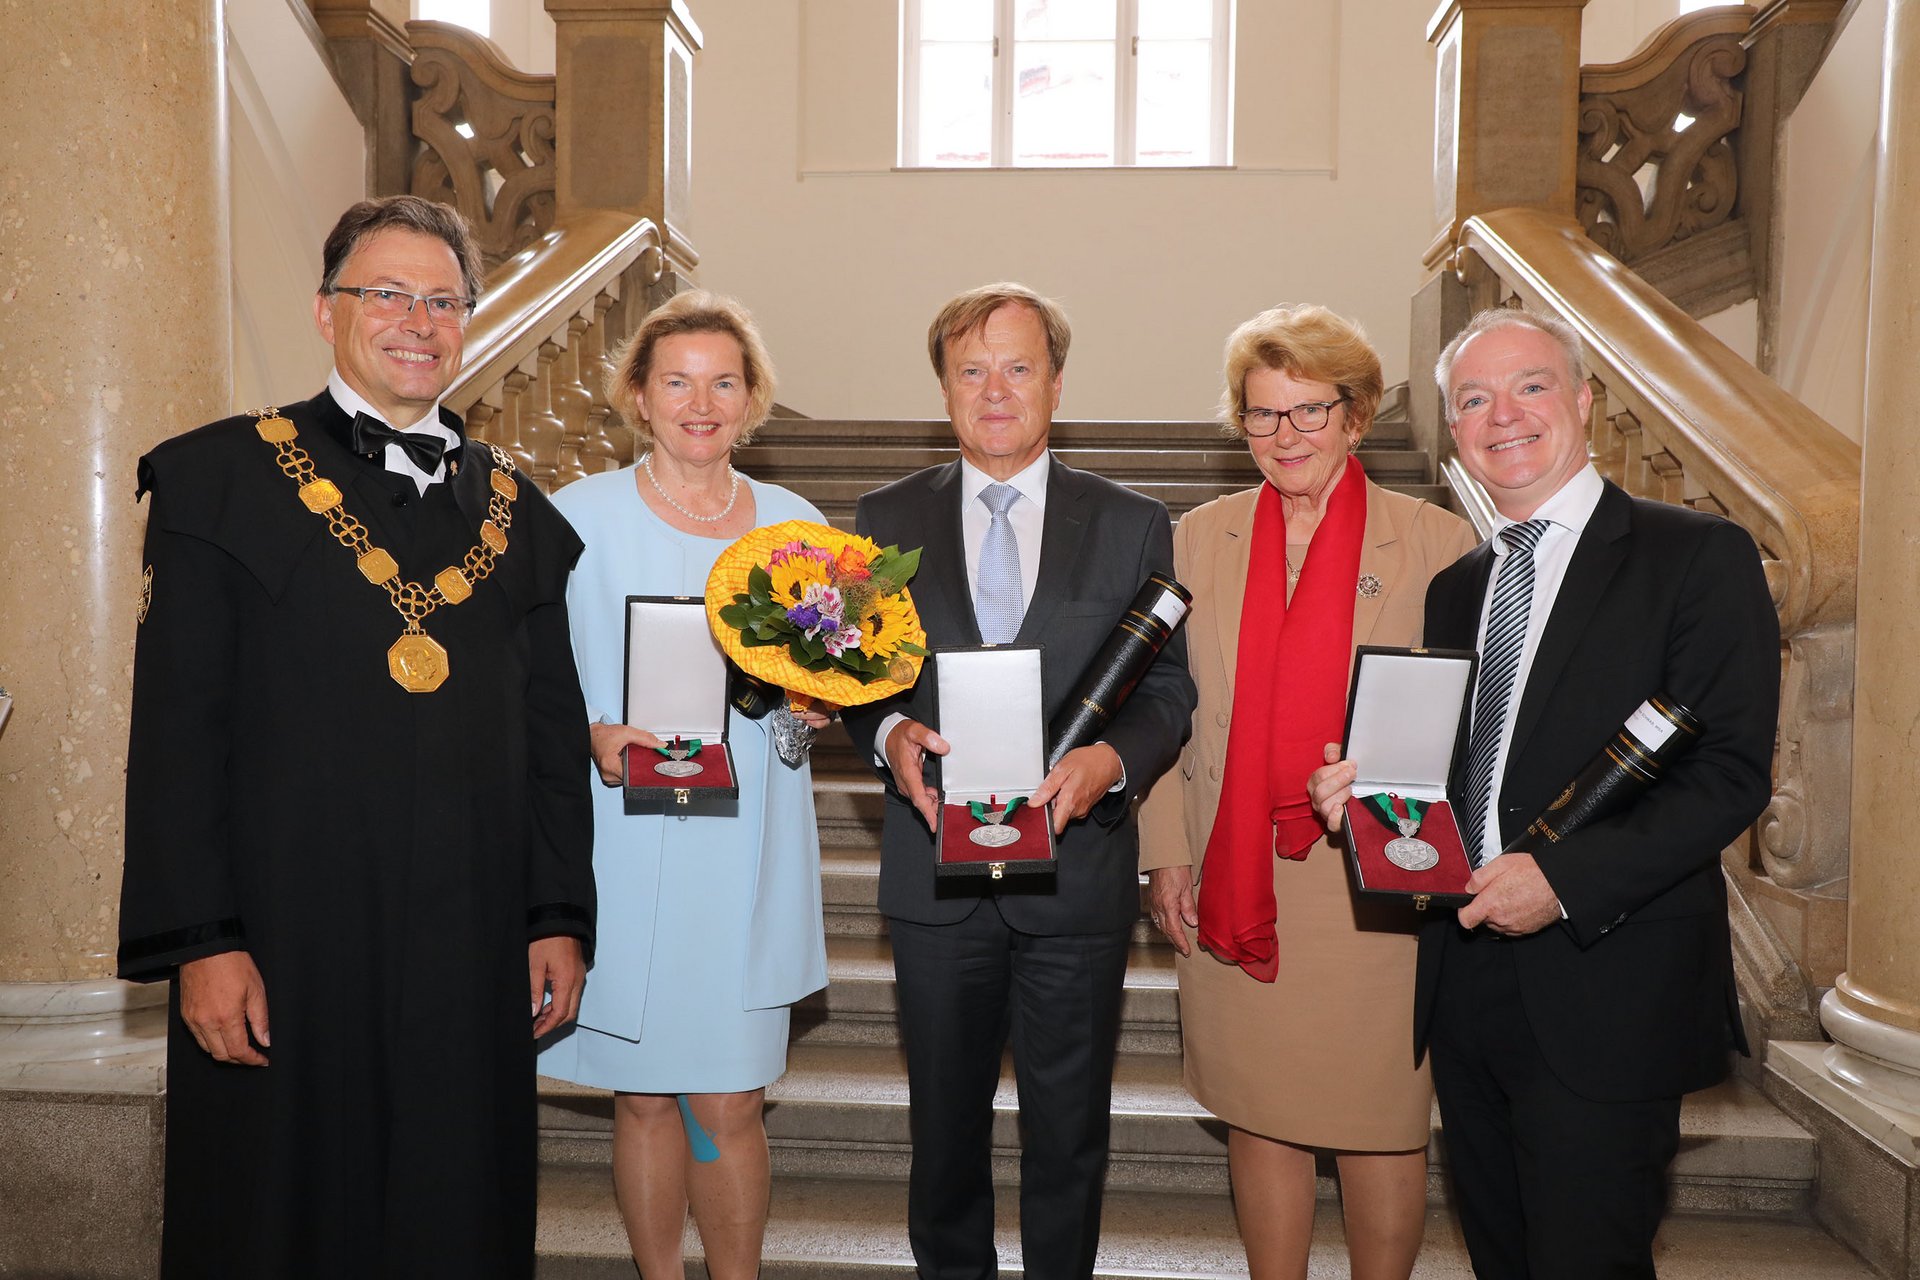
x=475, y=15
x=1063, y=103
x=956, y=19
x=1063, y=19
x=1173, y=122
x=956, y=103
x=1176, y=19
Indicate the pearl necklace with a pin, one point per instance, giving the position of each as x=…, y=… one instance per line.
x=733, y=494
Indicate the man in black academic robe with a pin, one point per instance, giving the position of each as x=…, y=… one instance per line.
x=364, y=891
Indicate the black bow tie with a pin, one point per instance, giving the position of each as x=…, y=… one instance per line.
x=371, y=436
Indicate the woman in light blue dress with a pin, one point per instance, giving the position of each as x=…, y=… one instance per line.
x=709, y=926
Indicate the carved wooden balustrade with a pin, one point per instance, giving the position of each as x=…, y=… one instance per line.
x=486, y=137
x=1679, y=417
x=1656, y=164
x=540, y=340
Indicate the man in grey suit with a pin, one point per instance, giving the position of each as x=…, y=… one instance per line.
x=1018, y=548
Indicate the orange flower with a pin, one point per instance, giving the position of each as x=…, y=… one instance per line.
x=851, y=565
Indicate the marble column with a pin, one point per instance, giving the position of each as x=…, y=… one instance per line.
x=1874, y=1011
x=115, y=303
x=1860, y=1095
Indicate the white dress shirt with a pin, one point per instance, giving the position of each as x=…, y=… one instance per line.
x=1567, y=513
x=397, y=460
x=1028, y=517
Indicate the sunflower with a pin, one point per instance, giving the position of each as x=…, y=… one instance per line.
x=885, y=625
x=792, y=578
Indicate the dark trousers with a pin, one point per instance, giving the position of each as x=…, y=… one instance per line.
x=1550, y=1185
x=962, y=987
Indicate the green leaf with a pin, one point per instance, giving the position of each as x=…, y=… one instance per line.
x=759, y=584
x=907, y=646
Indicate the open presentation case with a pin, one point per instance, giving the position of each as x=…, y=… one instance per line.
x=987, y=705
x=676, y=689
x=1407, y=715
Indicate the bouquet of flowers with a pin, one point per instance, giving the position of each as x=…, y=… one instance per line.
x=818, y=611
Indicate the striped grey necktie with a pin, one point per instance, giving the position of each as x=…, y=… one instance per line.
x=1499, y=661
x=996, y=587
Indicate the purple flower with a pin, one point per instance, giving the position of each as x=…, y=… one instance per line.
x=805, y=617
x=797, y=550
x=840, y=641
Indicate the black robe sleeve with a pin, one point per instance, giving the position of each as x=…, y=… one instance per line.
x=560, y=885
x=177, y=901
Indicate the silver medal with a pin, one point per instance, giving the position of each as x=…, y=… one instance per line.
x=1412, y=855
x=677, y=768
x=994, y=836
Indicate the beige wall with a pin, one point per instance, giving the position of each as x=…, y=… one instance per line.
x=798, y=211
x=299, y=159
x=1828, y=213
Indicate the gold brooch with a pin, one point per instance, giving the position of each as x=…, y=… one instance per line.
x=1369, y=586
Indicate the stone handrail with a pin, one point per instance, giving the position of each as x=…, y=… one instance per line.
x=486, y=137
x=1656, y=166
x=1679, y=417
x=537, y=348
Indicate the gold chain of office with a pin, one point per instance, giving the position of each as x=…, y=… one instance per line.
x=417, y=662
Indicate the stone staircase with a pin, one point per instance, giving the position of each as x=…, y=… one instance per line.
x=837, y=1121
x=1181, y=463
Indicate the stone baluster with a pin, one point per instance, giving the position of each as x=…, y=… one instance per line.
x=602, y=451
x=541, y=432
x=571, y=402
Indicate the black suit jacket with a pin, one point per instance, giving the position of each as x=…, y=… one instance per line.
x=1632, y=996
x=1099, y=542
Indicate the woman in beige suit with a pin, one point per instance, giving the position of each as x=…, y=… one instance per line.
x=1296, y=1004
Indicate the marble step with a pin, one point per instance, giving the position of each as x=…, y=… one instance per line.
x=811, y=468
x=841, y=1111
x=834, y=1229
x=859, y=1003
x=850, y=888
x=1389, y=432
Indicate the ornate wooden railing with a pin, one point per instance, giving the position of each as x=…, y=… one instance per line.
x=539, y=342
x=486, y=132
x=1679, y=417
x=1656, y=165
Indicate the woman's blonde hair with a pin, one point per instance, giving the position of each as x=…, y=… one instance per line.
x=695, y=311
x=1308, y=342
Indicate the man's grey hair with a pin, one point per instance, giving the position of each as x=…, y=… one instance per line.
x=1509, y=318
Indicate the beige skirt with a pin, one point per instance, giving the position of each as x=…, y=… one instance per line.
x=1323, y=1055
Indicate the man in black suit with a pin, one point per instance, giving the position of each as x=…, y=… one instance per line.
x=1019, y=548
x=1583, y=990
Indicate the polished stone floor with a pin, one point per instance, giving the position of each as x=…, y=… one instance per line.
x=827, y=1228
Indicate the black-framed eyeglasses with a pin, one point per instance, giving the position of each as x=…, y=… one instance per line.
x=1307, y=418
x=446, y=310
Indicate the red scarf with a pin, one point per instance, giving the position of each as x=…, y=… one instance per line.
x=1290, y=700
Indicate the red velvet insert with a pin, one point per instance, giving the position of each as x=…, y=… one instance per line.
x=956, y=846
x=714, y=770
x=1368, y=837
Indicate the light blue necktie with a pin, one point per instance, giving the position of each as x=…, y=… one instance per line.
x=997, y=605
x=1499, y=663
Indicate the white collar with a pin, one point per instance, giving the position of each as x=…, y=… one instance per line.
x=353, y=402
x=1030, y=480
x=1570, y=507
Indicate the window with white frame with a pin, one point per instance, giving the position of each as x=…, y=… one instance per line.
x=1064, y=83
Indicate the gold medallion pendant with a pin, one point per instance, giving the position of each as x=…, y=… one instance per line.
x=417, y=662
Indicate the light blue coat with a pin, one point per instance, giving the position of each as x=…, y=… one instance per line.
x=630, y=551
